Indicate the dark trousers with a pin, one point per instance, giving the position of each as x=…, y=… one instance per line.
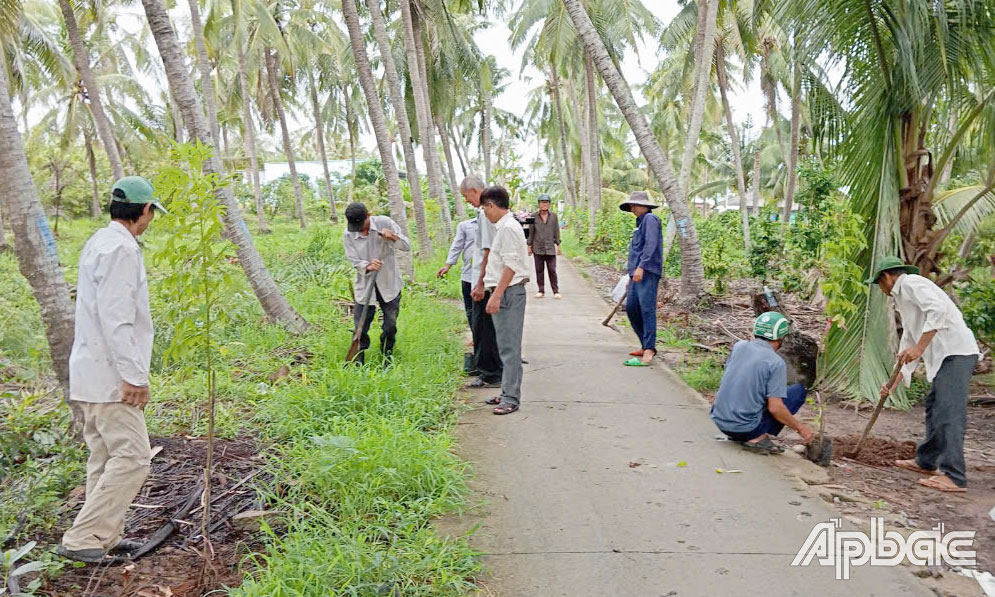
x=768, y=424
x=946, y=419
x=388, y=335
x=468, y=303
x=486, y=358
x=550, y=262
x=640, y=307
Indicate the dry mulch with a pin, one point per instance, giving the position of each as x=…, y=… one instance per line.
x=177, y=567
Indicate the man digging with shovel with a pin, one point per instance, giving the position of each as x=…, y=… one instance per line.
x=933, y=329
x=369, y=245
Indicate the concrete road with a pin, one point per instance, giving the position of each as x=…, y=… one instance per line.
x=584, y=491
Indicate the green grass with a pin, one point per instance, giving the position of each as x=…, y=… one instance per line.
x=363, y=458
x=704, y=376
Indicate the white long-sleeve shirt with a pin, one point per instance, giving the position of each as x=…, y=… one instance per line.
x=114, y=335
x=508, y=249
x=464, y=243
x=362, y=250
x=924, y=307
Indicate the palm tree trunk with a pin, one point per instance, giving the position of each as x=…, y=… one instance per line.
x=177, y=120
x=379, y=122
x=204, y=65
x=274, y=304
x=458, y=149
x=585, y=149
x=704, y=46
x=272, y=65
x=485, y=133
x=737, y=159
x=91, y=161
x=569, y=190
x=320, y=134
x=249, y=129
x=81, y=59
x=692, y=271
x=453, y=185
x=594, y=144
x=34, y=244
x=423, y=110
x=796, y=103
x=401, y=115
x=350, y=124
x=770, y=90
x=755, y=209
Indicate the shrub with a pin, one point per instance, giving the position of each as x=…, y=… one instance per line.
x=978, y=306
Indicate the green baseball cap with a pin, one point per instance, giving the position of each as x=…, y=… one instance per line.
x=135, y=189
x=888, y=263
x=772, y=326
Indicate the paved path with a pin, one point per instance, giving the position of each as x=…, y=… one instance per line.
x=564, y=513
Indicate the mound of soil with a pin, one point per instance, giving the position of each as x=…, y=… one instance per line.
x=875, y=451
x=176, y=567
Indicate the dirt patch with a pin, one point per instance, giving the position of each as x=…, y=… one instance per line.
x=174, y=485
x=875, y=451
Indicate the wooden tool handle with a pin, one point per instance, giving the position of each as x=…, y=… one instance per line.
x=618, y=306
x=877, y=409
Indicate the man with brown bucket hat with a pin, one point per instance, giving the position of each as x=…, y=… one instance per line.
x=933, y=329
x=645, y=267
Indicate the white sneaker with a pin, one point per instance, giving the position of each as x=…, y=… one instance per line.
x=540, y=294
x=557, y=295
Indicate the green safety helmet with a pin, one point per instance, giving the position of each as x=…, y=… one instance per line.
x=135, y=189
x=772, y=326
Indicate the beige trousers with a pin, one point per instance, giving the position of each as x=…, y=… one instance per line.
x=119, y=459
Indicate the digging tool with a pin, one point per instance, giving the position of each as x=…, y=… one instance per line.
x=877, y=410
x=353, y=352
x=608, y=320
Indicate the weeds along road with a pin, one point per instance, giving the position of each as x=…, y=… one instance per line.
x=605, y=483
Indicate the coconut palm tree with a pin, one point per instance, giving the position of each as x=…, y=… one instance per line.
x=81, y=59
x=379, y=122
x=34, y=244
x=272, y=300
x=692, y=270
x=404, y=127
x=274, y=76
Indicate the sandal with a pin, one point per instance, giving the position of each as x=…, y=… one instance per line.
x=911, y=465
x=505, y=409
x=764, y=446
x=495, y=400
x=636, y=353
x=938, y=484
x=635, y=362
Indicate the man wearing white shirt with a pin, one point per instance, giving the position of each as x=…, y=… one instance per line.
x=463, y=244
x=486, y=359
x=933, y=329
x=109, y=371
x=507, y=273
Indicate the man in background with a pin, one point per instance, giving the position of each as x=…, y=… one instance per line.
x=109, y=372
x=507, y=273
x=544, y=245
x=369, y=243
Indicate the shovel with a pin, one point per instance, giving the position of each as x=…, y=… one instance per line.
x=608, y=320
x=353, y=352
x=877, y=410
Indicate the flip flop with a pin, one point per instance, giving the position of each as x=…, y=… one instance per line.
x=937, y=484
x=915, y=468
x=636, y=353
x=764, y=446
x=505, y=409
x=495, y=400
x=635, y=362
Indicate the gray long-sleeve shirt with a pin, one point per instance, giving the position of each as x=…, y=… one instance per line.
x=362, y=250
x=465, y=243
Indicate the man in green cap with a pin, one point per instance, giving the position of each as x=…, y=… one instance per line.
x=933, y=330
x=109, y=372
x=544, y=245
x=754, y=401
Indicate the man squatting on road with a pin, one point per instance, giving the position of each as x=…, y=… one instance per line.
x=109, y=372
x=933, y=329
x=754, y=401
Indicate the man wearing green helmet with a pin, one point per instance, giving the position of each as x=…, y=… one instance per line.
x=109, y=371
x=933, y=330
x=754, y=401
